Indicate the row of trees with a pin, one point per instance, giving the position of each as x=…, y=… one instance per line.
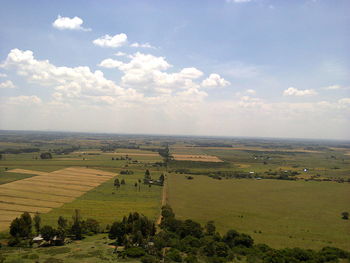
x=176, y=241
x=24, y=228
x=187, y=241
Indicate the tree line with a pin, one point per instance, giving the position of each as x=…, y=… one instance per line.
x=136, y=236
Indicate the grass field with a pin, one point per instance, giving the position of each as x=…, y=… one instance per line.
x=280, y=213
x=89, y=250
x=106, y=204
x=10, y=177
x=276, y=212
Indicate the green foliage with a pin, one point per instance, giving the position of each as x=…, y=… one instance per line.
x=46, y=155
x=174, y=255
x=149, y=259
x=345, y=215
x=37, y=222
x=21, y=227
x=135, y=252
x=47, y=232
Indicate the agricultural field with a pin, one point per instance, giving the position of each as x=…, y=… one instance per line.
x=276, y=212
x=105, y=203
x=277, y=201
x=46, y=191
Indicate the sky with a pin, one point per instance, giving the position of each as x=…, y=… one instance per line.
x=259, y=68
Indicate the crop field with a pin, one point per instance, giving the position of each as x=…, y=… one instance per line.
x=196, y=158
x=276, y=212
x=46, y=191
x=326, y=163
x=105, y=203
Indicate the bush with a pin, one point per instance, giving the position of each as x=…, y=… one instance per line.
x=174, y=255
x=135, y=252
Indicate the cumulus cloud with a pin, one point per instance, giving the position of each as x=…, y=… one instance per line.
x=149, y=73
x=120, y=54
x=68, y=83
x=111, y=41
x=214, y=80
x=8, y=84
x=297, y=92
x=145, y=45
x=66, y=23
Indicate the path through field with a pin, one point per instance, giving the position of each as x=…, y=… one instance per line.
x=164, y=199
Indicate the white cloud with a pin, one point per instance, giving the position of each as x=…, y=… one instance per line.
x=68, y=83
x=110, y=63
x=251, y=91
x=7, y=85
x=25, y=100
x=2, y=75
x=111, y=41
x=145, y=45
x=344, y=102
x=66, y=23
x=296, y=92
x=148, y=73
x=333, y=87
x=120, y=54
x=214, y=80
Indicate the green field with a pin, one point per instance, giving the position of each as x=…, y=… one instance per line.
x=106, y=204
x=76, y=252
x=280, y=213
x=276, y=212
x=10, y=177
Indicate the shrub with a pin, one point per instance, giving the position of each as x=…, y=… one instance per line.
x=174, y=255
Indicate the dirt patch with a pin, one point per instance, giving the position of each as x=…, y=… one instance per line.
x=196, y=158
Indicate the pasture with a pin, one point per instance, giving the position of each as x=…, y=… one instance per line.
x=276, y=212
x=106, y=203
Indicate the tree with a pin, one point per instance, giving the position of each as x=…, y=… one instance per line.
x=122, y=182
x=77, y=229
x=117, y=231
x=48, y=233
x=27, y=223
x=46, y=155
x=161, y=179
x=345, y=215
x=116, y=183
x=147, y=174
x=210, y=228
x=37, y=222
x=15, y=227
x=62, y=223
x=92, y=226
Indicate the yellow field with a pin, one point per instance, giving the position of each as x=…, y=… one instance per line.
x=46, y=191
x=196, y=158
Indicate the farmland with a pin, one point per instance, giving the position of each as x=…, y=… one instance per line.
x=258, y=207
x=34, y=194
x=289, y=193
